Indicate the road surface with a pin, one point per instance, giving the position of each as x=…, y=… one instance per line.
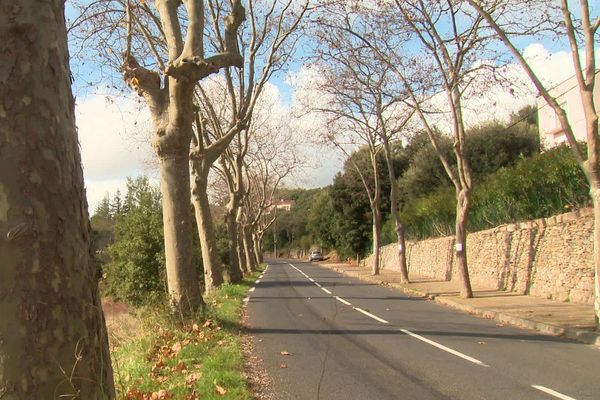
x=323, y=335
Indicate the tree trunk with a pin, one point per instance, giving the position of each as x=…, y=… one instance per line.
x=232, y=240
x=249, y=250
x=213, y=276
x=462, y=214
x=182, y=278
x=394, y=211
x=245, y=267
x=376, y=232
x=53, y=340
x=595, y=192
x=257, y=250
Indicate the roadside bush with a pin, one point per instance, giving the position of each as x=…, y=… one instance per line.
x=541, y=186
x=136, y=271
x=536, y=187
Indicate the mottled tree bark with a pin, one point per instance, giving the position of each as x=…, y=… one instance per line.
x=182, y=278
x=53, y=341
x=213, y=274
x=595, y=193
x=256, y=242
x=249, y=249
x=462, y=213
x=376, y=234
x=232, y=241
x=169, y=96
x=399, y=227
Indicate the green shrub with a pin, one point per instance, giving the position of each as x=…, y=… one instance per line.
x=136, y=272
x=536, y=187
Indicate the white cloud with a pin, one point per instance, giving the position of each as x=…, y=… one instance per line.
x=114, y=137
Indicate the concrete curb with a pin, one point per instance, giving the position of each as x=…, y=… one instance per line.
x=580, y=335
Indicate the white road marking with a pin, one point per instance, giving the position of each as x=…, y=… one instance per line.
x=552, y=392
x=368, y=314
x=342, y=300
x=252, y=289
x=317, y=284
x=442, y=347
x=419, y=337
x=246, y=299
x=257, y=281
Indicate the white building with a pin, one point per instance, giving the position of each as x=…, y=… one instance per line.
x=567, y=95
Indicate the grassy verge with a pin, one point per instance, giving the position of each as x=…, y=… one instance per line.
x=167, y=358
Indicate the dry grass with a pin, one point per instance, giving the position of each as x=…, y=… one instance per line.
x=122, y=323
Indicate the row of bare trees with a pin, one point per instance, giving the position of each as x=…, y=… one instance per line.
x=53, y=341
x=385, y=67
x=167, y=52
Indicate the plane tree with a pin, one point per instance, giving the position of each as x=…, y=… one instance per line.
x=267, y=43
x=362, y=105
x=578, y=28
x=53, y=339
x=160, y=51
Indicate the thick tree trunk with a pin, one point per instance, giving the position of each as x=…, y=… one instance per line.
x=376, y=233
x=182, y=278
x=213, y=276
x=53, y=341
x=249, y=250
x=462, y=214
x=232, y=239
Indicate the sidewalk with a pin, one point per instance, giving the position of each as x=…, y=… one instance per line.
x=573, y=321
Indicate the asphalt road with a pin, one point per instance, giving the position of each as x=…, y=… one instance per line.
x=348, y=339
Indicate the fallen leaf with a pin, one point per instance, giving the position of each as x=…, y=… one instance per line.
x=158, y=366
x=220, y=390
x=285, y=353
x=192, y=396
x=179, y=367
x=282, y=365
x=134, y=394
x=176, y=348
x=195, y=328
x=161, y=395
x=207, y=323
x=500, y=325
x=193, y=378
x=481, y=342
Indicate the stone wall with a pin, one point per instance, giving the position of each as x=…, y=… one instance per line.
x=548, y=257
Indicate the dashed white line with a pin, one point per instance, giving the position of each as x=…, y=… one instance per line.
x=368, y=314
x=252, y=289
x=442, y=347
x=257, y=281
x=342, y=300
x=552, y=392
x=414, y=335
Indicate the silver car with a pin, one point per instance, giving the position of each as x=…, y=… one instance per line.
x=315, y=256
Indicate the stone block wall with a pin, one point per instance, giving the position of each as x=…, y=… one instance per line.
x=549, y=257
